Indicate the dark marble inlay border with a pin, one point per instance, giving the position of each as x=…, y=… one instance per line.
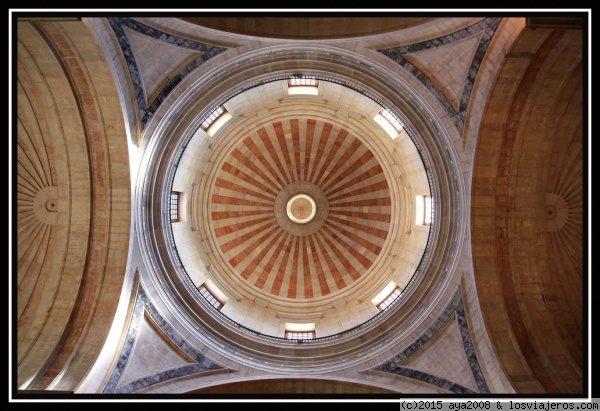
x=455, y=307
x=488, y=26
x=146, y=111
x=143, y=304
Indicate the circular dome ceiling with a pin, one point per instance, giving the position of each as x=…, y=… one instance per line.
x=300, y=208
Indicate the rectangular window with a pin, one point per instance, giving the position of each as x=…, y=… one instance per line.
x=291, y=335
x=387, y=296
x=424, y=210
x=210, y=298
x=300, y=331
x=303, y=81
x=212, y=117
x=428, y=210
x=392, y=119
x=389, y=123
x=216, y=120
x=390, y=299
x=174, y=206
x=303, y=85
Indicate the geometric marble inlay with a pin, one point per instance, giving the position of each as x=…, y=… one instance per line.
x=190, y=359
x=151, y=52
x=147, y=106
x=414, y=362
x=456, y=106
x=448, y=66
x=149, y=352
x=445, y=348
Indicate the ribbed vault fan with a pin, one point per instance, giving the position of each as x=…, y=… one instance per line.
x=322, y=251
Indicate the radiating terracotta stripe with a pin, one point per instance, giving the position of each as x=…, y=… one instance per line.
x=239, y=156
x=344, y=160
x=229, y=185
x=308, y=291
x=283, y=266
x=385, y=201
x=260, y=155
x=319, y=268
x=333, y=270
x=223, y=215
x=268, y=270
x=293, y=284
x=266, y=140
x=319, y=271
x=379, y=186
x=365, y=216
x=246, y=252
x=351, y=168
x=296, y=266
x=285, y=150
x=348, y=266
x=333, y=150
x=372, y=172
x=251, y=267
x=295, y=126
x=219, y=199
x=225, y=247
x=361, y=258
x=237, y=173
x=240, y=226
x=365, y=228
x=374, y=248
x=322, y=144
x=310, y=133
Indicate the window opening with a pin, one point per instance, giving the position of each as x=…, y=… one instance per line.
x=210, y=298
x=174, y=206
x=303, y=85
x=392, y=119
x=215, y=120
x=387, y=296
x=291, y=335
x=428, y=208
x=212, y=117
x=294, y=331
x=424, y=210
x=389, y=122
x=303, y=81
x=390, y=299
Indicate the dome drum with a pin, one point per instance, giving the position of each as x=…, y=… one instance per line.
x=374, y=242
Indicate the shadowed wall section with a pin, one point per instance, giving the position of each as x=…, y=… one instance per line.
x=527, y=210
